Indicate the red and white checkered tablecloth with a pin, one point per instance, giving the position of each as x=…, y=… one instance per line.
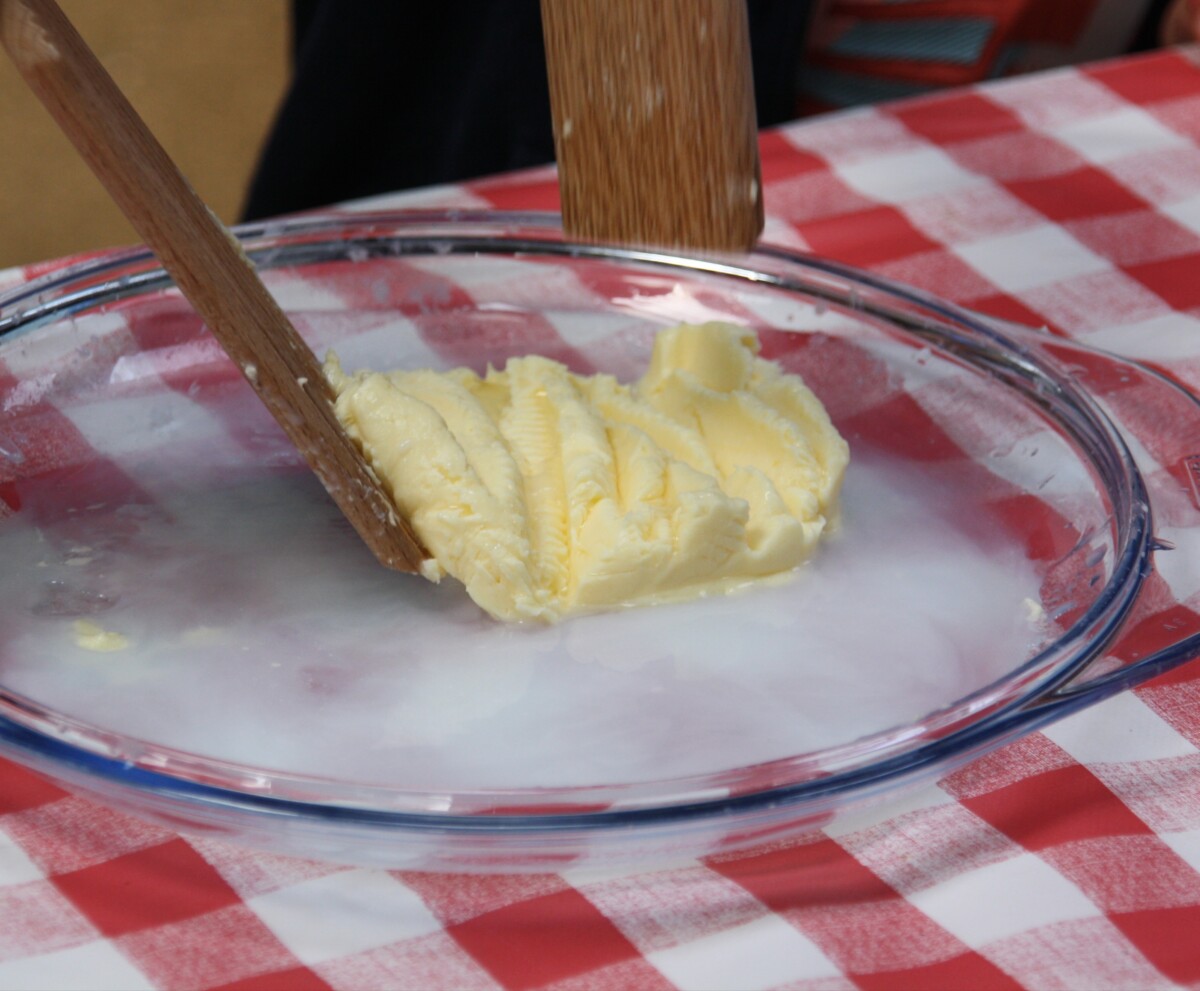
x=1069, y=859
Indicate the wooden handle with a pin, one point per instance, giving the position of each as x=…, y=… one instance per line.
x=205, y=261
x=654, y=121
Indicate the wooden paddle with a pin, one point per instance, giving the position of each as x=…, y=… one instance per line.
x=654, y=122
x=206, y=263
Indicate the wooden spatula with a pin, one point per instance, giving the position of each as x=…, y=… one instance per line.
x=205, y=261
x=654, y=122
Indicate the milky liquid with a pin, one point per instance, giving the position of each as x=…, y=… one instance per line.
x=261, y=632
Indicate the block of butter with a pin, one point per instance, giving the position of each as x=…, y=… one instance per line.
x=547, y=493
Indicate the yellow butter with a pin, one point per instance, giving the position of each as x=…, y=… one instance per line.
x=92, y=636
x=548, y=493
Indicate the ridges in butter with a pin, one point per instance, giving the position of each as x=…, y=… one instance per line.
x=548, y=493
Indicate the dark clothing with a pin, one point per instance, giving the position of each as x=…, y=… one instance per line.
x=393, y=94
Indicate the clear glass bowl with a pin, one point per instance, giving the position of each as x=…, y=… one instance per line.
x=272, y=685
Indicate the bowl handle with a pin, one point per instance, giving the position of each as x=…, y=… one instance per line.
x=1159, y=418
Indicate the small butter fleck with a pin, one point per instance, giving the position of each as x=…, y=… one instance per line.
x=89, y=636
x=251, y=372
x=201, y=636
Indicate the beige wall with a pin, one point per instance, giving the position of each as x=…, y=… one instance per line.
x=206, y=75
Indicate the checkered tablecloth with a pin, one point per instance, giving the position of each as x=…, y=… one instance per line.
x=1069, y=859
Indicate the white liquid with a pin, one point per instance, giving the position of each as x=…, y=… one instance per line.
x=262, y=633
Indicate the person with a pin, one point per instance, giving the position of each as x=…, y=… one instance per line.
x=395, y=94
x=1181, y=23
x=388, y=95
x=867, y=51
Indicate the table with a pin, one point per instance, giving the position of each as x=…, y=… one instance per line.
x=1068, y=859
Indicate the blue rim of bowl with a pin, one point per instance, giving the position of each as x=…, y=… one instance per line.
x=966, y=333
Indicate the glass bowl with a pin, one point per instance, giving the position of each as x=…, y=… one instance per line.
x=191, y=633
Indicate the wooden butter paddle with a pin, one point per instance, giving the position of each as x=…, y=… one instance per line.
x=654, y=122
x=206, y=263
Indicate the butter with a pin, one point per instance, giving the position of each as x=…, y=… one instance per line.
x=547, y=494
x=91, y=636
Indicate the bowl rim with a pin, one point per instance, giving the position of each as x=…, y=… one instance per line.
x=980, y=720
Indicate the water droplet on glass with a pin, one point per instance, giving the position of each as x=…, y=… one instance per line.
x=60, y=598
x=1059, y=611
